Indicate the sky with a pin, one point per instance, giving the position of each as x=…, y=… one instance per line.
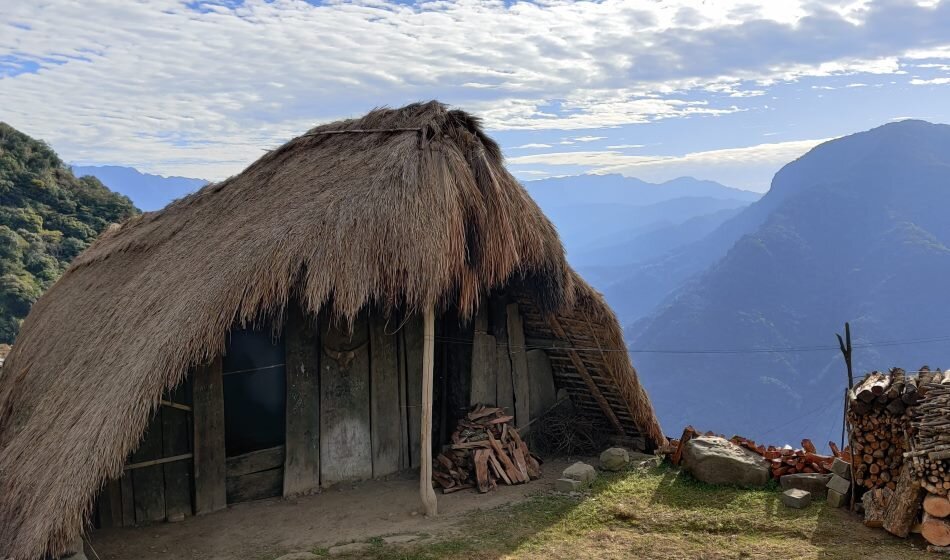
x=720, y=90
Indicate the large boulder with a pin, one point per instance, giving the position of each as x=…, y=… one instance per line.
x=715, y=460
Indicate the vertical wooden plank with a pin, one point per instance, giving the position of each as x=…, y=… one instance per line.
x=484, y=365
x=128, y=499
x=543, y=393
x=209, y=460
x=149, y=482
x=519, y=366
x=109, y=505
x=412, y=338
x=302, y=458
x=504, y=388
x=404, y=461
x=385, y=411
x=346, y=447
x=177, y=441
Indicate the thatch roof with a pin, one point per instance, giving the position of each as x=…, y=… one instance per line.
x=400, y=219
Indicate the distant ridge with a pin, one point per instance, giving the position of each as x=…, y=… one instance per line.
x=148, y=192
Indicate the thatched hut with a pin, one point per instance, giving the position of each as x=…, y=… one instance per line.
x=286, y=329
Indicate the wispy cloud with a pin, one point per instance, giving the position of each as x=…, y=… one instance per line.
x=746, y=166
x=197, y=88
x=531, y=146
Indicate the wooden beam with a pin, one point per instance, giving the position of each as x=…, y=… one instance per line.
x=302, y=357
x=585, y=375
x=519, y=366
x=179, y=406
x=210, y=462
x=425, y=461
x=162, y=461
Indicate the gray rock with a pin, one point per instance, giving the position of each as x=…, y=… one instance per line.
x=567, y=485
x=298, y=556
x=796, y=498
x=841, y=468
x=348, y=548
x=839, y=485
x=715, y=460
x=816, y=484
x=836, y=499
x=614, y=459
x=580, y=471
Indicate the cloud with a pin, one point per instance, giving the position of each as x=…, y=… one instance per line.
x=588, y=138
x=930, y=82
x=748, y=167
x=198, y=88
x=531, y=146
x=625, y=146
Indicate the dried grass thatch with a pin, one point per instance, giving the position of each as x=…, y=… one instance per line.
x=398, y=219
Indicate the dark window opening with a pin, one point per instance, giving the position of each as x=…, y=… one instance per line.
x=255, y=389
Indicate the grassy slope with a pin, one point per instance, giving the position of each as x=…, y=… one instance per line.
x=658, y=515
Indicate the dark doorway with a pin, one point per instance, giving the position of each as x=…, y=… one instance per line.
x=255, y=396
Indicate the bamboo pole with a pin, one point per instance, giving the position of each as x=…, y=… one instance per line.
x=425, y=463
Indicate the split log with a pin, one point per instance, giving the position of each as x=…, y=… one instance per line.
x=875, y=503
x=937, y=506
x=935, y=530
x=902, y=508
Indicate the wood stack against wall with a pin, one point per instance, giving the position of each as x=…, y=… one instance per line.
x=879, y=412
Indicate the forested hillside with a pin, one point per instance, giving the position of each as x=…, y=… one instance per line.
x=47, y=217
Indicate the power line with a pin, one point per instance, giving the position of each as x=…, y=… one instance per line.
x=775, y=350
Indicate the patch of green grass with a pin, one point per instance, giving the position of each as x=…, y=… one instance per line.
x=656, y=514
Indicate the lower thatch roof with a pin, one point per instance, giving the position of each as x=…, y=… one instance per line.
x=399, y=209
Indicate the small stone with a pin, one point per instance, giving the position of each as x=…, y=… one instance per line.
x=298, y=556
x=841, y=468
x=176, y=517
x=400, y=539
x=581, y=472
x=814, y=483
x=795, y=498
x=567, y=484
x=836, y=499
x=614, y=459
x=839, y=485
x=348, y=548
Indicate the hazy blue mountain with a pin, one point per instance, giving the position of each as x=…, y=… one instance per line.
x=148, y=192
x=609, y=222
x=855, y=230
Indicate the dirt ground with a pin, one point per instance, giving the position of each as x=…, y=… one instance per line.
x=344, y=513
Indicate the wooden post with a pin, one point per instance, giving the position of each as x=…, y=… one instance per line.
x=428, y=364
x=209, y=452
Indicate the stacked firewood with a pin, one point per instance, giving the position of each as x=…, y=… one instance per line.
x=930, y=455
x=879, y=413
x=783, y=460
x=485, y=449
x=787, y=460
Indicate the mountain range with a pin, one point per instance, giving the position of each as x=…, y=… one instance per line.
x=855, y=230
x=148, y=192
x=610, y=223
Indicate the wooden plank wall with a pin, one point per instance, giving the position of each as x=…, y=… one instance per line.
x=209, y=460
x=302, y=459
x=386, y=425
x=346, y=448
x=157, y=482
